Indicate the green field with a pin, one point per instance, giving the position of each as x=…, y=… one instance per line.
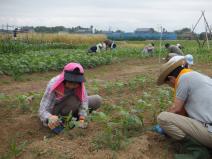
x=123, y=77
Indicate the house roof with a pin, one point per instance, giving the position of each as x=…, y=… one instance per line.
x=144, y=29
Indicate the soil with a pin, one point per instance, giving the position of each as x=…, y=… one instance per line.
x=41, y=143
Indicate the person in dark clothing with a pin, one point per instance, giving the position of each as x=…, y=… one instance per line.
x=173, y=49
x=96, y=48
x=15, y=33
x=110, y=44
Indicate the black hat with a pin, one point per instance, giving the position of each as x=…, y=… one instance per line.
x=74, y=76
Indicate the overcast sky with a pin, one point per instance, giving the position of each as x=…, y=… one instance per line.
x=126, y=15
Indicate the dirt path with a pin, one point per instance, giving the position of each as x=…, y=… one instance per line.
x=27, y=126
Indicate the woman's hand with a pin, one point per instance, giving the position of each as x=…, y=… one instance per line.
x=53, y=121
x=82, y=123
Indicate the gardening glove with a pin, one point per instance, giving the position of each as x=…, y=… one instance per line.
x=53, y=121
x=158, y=129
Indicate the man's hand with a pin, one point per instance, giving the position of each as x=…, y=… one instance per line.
x=53, y=121
x=171, y=109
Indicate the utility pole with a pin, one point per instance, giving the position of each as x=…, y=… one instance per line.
x=7, y=28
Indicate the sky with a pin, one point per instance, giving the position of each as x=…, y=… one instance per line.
x=126, y=15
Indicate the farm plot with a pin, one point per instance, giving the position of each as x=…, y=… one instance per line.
x=120, y=129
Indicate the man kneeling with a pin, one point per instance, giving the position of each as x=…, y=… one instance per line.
x=191, y=112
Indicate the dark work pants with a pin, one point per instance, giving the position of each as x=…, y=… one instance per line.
x=72, y=104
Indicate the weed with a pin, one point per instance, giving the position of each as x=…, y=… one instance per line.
x=132, y=84
x=23, y=103
x=15, y=150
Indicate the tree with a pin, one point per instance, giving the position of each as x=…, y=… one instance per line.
x=202, y=36
x=119, y=31
x=184, y=30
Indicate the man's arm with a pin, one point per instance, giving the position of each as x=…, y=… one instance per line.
x=181, y=96
x=177, y=107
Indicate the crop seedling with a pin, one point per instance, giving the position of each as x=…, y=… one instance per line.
x=15, y=150
x=110, y=138
x=164, y=96
x=119, y=86
x=117, y=129
x=95, y=87
x=108, y=88
x=133, y=85
x=69, y=121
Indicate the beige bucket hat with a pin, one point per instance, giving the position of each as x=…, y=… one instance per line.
x=167, y=68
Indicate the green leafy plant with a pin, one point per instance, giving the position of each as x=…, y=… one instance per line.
x=110, y=138
x=117, y=129
x=42, y=61
x=69, y=121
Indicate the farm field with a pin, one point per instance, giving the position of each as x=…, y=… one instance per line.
x=120, y=129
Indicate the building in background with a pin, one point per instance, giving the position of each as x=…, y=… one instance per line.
x=142, y=34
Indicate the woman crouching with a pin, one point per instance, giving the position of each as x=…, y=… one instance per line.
x=66, y=94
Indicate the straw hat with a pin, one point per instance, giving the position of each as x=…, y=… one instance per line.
x=177, y=58
x=167, y=68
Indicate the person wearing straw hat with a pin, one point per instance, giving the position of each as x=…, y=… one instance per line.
x=66, y=93
x=191, y=112
x=171, y=55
